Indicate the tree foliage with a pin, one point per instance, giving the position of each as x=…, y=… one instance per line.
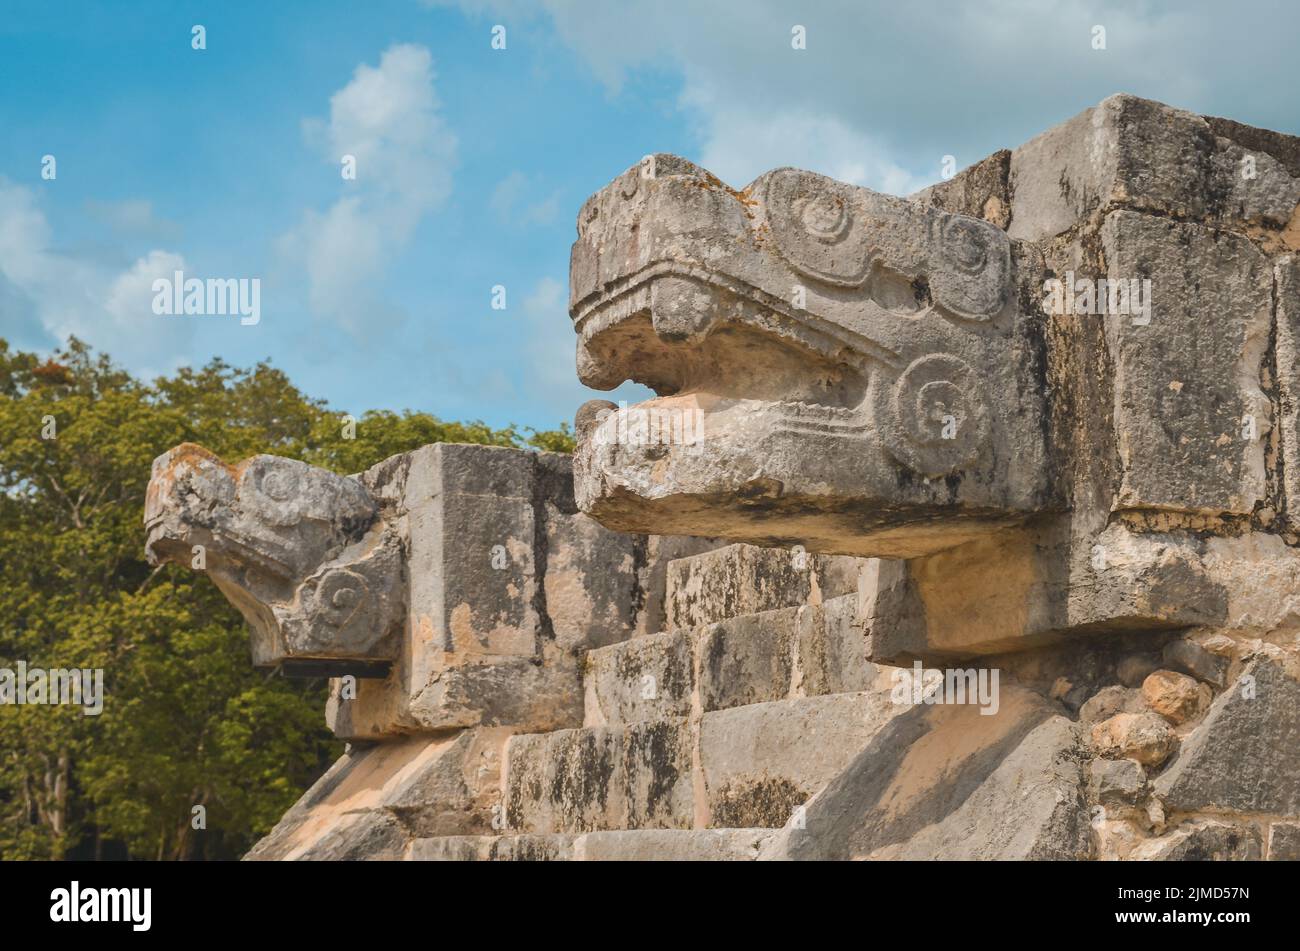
x=187, y=721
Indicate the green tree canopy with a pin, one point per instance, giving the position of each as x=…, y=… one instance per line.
x=187, y=720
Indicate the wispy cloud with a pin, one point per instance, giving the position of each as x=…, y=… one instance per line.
x=133, y=218
x=386, y=122
x=68, y=294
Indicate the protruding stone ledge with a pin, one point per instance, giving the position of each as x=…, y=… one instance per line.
x=448, y=587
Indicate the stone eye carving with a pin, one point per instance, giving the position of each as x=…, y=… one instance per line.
x=973, y=267
x=835, y=233
x=825, y=217
x=935, y=417
x=339, y=595
x=965, y=245
x=279, y=484
x=303, y=553
x=273, y=489
x=813, y=221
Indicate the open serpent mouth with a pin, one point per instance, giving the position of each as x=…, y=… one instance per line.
x=702, y=348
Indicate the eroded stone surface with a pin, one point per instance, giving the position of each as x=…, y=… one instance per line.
x=300, y=551
x=1135, y=153
x=600, y=778
x=764, y=761
x=1284, y=842
x=838, y=352
x=1095, y=500
x=1203, y=841
x=948, y=782
x=1245, y=754
x=492, y=848
x=1143, y=737
x=374, y=800
x=738, y=580
x=630, y=845
x=1117, y=781
x=1159, y=423
x=1176, y=697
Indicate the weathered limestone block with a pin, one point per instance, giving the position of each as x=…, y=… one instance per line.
x=1286, y=276
x=588, y=608
x=374, y=800
x=671, y=845
x=806, y=651
x=980, y=191
x=1191, y=418
x=300, y=551
x=750, y=766
x=1284, y=842
x=1117, y=782
x=832, y=649
x=948, y=782
x=858, y=371
x=644, y=678
x=1108, y=702
x=1175, y=696
x=565, y=781
x=657, y=774
x=1028, y=809
x=623, y=845
x=747, y=659
x=492, y=848
x=1143, y=737
x=762, y=762
x=1245, y=754
x=598, y=778
x=510, y=584
x=791, y=652
x=1128, y=152
x=660, y=552
x=739, y=580
x=1024, y=588
x=1186, y=655
x=1204, y=840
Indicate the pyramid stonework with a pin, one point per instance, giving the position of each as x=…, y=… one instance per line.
x=962, y=526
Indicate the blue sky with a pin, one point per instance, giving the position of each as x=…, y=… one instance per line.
x=472, y=162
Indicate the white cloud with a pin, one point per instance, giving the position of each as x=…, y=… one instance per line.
x=133, y=218
x=884, y=89
x=65, y=294
x=741, y=146
x=387, y=119
x=130, y=296
x=553, y=343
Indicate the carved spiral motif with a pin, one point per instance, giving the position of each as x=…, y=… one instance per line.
x=970, y=277
x=937, y=417
x=965, y=245
x=825, y=217
x=813, y=221
x=339, y=595
x=280, y=484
